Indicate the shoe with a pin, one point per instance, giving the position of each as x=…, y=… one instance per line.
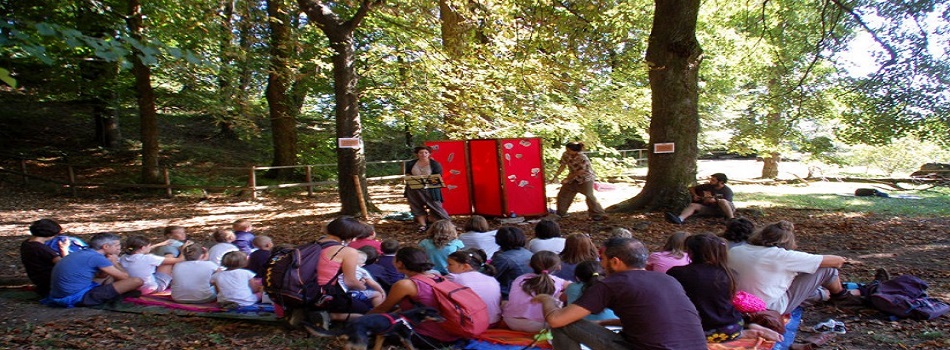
x=826, y=326
x=839, y=328
x=881, y=275
x=673, y=218
x=847, y=299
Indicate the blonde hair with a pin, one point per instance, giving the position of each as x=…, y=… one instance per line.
x=675, y=244
x=442, y=232
x=222, y=235
x=621, y=232
x=241, y=225
x=780, y=234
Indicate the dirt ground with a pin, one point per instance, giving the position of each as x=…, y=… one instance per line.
x=918, y=246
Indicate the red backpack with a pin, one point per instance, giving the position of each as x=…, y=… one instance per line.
x=466, y=314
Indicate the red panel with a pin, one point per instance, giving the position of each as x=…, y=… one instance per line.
x=486, y=177
x=456, y=195
x=524, y=176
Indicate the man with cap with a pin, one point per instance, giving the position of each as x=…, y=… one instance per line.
x=712, y=198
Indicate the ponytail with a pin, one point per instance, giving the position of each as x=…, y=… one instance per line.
x=542, y=263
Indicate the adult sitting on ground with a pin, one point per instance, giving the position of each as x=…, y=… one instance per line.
x=411, y=292
x=652, y=307
x=769, y=267
x=338, y=257
x=38, y=258
x=712, y=198
x=77, y=279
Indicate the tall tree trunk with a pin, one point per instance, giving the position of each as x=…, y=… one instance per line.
x=350, y=162
x=770, y=165
x=283, y=123
x=673, y=57
x=100, y=75
x=226, y=87
x=146, y=99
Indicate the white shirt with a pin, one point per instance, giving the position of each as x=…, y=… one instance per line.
x=217, y=252
x=555, y=245
x=142, y=266
x=480, y=240
x=235, y=286
x=191, y=281
x=767, y=272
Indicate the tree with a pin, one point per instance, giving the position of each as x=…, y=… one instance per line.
x=283, y=120
x=351, y=162
x=145, y=98
x=673, y=59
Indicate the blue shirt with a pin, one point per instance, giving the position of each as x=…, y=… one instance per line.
x=510, y=264
x=75, y=272
x=440, y=256
x=243, y=240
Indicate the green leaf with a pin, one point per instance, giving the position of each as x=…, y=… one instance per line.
x=45, y=29
x=6, y=78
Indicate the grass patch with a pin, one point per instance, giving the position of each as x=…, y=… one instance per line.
x=930, y=203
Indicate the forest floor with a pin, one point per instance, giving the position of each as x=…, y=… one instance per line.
x=904, y=245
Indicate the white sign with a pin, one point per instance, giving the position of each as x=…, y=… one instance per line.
x=350, y=142
x=664, y=147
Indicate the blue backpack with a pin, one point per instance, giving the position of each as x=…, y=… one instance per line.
x=75, y=244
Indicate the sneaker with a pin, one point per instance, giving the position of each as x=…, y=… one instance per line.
x=839, y=328
x=826, y=326
x=673, y=218
x=847, y=299
x=881, y=275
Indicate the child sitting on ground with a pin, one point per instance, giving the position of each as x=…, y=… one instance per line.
x=373, y=292
x=191, y=279
x=243, y=236
x=223, y=246
x=257, y=261
x=443, y=240
x=673, y=254
x=367, y=238
x=175, y=236
x=384, y=271
x=236, y=286
x=586, y=273
x=155, y=271
x=520, y=313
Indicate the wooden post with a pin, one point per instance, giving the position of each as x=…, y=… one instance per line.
x=252, y=182
x=359, y=195
x=309, y=182
x=168, y=183
x=72, y=180
x=26, y=179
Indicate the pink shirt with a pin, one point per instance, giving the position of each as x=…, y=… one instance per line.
x=662, y=261
x=519, y=302
x=356, y=244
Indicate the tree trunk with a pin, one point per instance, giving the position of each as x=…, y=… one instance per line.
x=145, y=97
x=350, y=162
x=283, y=123
x=226, y=91
x=673, y=57
x=100, y=76
x=454, y=45
x=770, y=165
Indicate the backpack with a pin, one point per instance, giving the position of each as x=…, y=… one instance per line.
x=290, y=275
x=466, y=314
x=74, y=243
x=869, y=192
x=905, y=296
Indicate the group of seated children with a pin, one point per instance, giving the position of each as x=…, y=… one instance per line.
x=191, y=273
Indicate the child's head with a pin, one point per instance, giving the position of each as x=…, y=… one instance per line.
x=413, y=259
x=134, y=244
x=223, y=235
x=544, y=263
x=347, y=228
x=242, y=225
x=466, y=260
x=589, y=272
x=371, y=254
x=674, y=244
x=477, y=224
x=547, y=229
x=234, y=260
x=192, y=251
x=579, y=247
x=707, y=248
x=621, y=232
x=738, y=230
x=442, y=232
x=509, y=237
x=175, y=232
x=263, y=243
x=369, y=233
x=45, y=228
x=389, y=246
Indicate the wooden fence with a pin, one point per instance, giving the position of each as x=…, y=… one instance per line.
x=72, y=183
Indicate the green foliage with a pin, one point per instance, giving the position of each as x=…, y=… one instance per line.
x=899, y=157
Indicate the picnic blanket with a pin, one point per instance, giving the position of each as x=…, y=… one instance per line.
x=791, y=328
x=505, y=339
x=164, y=304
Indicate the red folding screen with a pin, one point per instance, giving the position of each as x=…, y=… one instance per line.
x=456, y=194
x=496, y=176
